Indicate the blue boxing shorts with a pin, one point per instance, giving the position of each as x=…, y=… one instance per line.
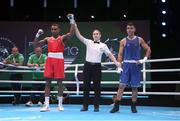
x=131, y=75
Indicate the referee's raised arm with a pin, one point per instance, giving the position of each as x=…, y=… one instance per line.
x=76, y=30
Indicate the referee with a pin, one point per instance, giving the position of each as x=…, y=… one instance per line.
x=92, y=67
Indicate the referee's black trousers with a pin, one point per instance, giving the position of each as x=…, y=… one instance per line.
x=91, y=72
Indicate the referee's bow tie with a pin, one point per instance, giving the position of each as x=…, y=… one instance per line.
x=96, y=42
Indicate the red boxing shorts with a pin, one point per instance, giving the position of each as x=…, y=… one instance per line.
x=54, y=68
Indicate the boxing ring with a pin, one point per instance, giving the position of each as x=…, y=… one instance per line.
x=9, y=112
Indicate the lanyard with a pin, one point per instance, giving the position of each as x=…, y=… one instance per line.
x=14, y=60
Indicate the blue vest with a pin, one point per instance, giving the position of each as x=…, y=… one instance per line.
x=132, y=49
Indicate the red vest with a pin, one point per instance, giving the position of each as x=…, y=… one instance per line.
x=55, y=45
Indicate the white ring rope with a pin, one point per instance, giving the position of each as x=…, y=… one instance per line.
x=92, y=92
x=104, y=71
x=105, y=63
x=20, y=67
x=81, y=82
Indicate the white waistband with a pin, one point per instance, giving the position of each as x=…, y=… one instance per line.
x=130, y=61
x=55, y=55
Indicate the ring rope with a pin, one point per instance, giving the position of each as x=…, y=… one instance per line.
x=81, y=82
x=92, y=92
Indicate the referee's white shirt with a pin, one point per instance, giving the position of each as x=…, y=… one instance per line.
x=94, y=51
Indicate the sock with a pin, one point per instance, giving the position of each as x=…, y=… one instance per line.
x=47, y=101
x=60, y=100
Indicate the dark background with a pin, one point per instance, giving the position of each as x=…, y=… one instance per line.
x=33, y=10
x=56, y=10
